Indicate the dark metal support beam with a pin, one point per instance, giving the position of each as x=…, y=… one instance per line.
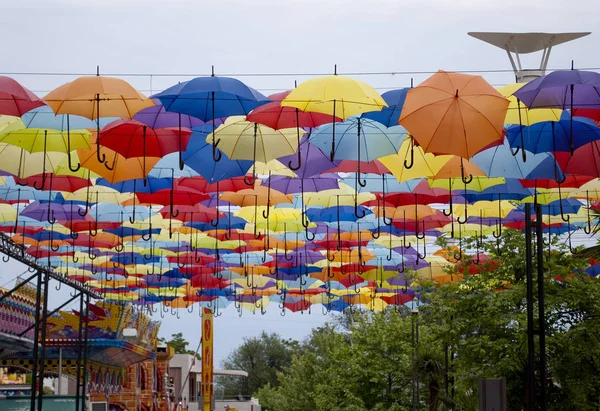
x=85, y=352
x=17, y=252
x=42, y=356
x=78, y=363
x=530, y=321
x=541, y=308
x=36, y=333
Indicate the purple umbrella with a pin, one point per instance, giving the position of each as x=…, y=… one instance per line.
x=302, y=257
x=51, y=212
x=289, y=185
x=562, y=89
x=314, y=162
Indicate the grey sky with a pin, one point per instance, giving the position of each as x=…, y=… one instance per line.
x=273, y=36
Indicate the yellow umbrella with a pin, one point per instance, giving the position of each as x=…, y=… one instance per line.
x=10, y=123
x=22, y=163
x=477, y=184
x=420, y=164
x=527, y=116
x=345, y=195
x=8, y=214
x=98, y=194
x=37, y=140
x=256, y=214
x=274, y=167
x=487, y=209
x=339, y=96
x=243, y=140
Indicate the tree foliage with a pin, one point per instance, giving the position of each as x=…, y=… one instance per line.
x=179, y=344
x=262, y=357
x=480, y=321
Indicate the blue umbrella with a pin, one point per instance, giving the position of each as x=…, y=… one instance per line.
x=499, y=162
x=389, y=115
x=198, y=156
x=552, y=136
x=208, y=98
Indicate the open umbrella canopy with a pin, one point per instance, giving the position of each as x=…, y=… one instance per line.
x=212, y=97
x=335, y=95
x=97, y=96
x=218, y=196
x=453, y=113
x=16, y=100
x=243, y=140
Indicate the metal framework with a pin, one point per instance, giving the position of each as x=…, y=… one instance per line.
x=43, y=276
x=17, y=252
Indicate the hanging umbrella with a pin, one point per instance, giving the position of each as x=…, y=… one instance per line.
x=198, y=156
x=121, y=168
x=389, y=115
x=518, y=113
x=209, y=98
x=563, y=89
x=453, y=113
x=277, y=117
x=23, y=164
x=553, y=136
x=131, y=138
x=83, y=96
x=15, y=100
x=243, y=140
x=338, y=96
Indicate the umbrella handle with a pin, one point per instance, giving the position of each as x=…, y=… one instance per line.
x=412, y=155
x=74, y=170
x=217, y=155
x=309, y=235
x=588, y=228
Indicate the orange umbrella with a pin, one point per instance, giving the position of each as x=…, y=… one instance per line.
x=115, y=167
x=453, y=113
x=257, y=196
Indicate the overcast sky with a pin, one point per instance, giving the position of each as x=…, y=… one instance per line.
x=273, y=37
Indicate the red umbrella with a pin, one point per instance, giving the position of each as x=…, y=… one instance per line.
x=16, y=100
x=197, y=213
x=572, y=180
x=201, y=185
x=591, y=113
x=585, y=160
x=178, y=197
x=131, y=138
x=350, y=166
x=191, y=258
x=69, y=184
x=275, y=116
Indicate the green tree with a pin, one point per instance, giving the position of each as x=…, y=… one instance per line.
x=262, y=357
x=365, y=361
x=179, y=344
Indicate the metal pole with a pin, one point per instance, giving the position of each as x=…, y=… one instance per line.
x=530, y=321
x=414, y=363
x=541, y=314
x=85, y=352
x=36, y=333
x=59, y=385
x=42, y=356
x=78, y=364
x=417, y=375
